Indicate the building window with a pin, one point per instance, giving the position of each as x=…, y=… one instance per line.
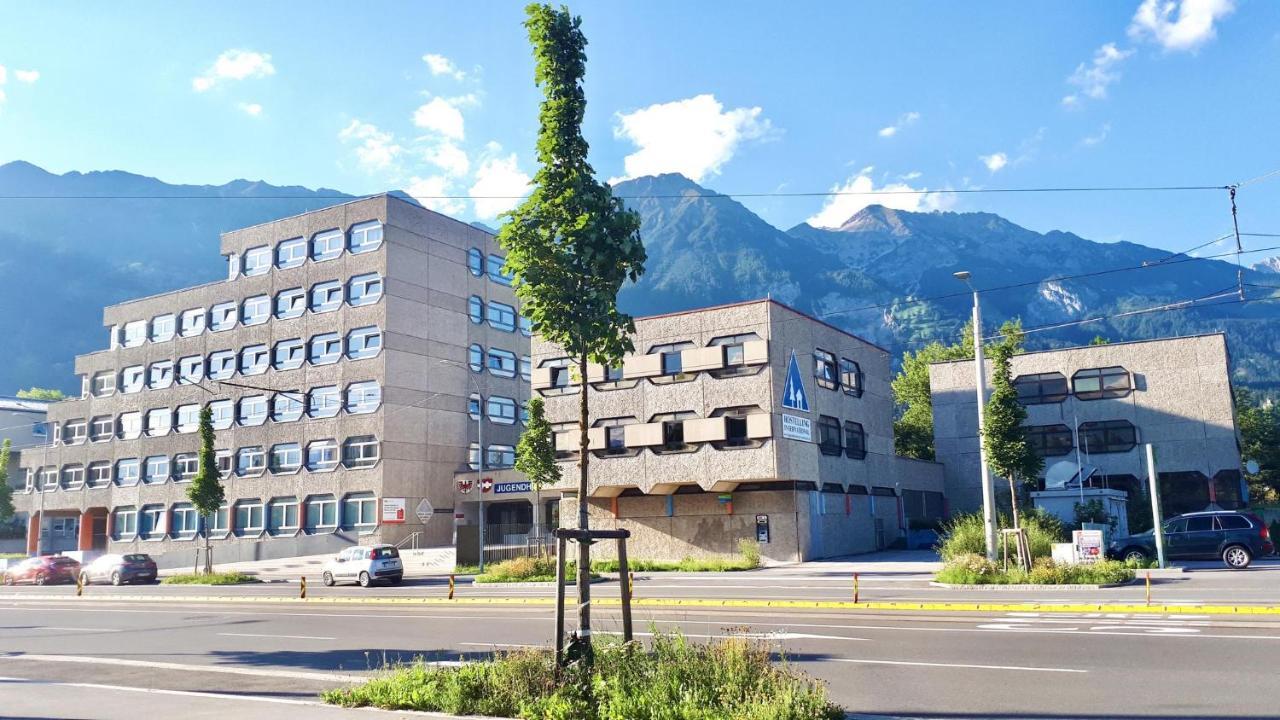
x=359, y=512
x=49, y=478
x=188, y=418
x=672, y=363
x=253, y=410
x=131, y=379
x=324, y=401
x=475, y=261
x=128, y=472
x=159, y=422
x=855, y=440
x=135, y=333
x=1108, y=436
x=191, y=322
x=1050, y=440
x=824, y=369
x=735, y=355
x=184, y=522
x=829, y=435
x=498, y=270
x=326, y=296
x=286, y=406
x=253, y=360
x=502, y=410
x=129, y=425
x=75, y=431
x=283, y=516
x=364, y=289
x=502, y=363
x=190, y=370
x=365, y=342
x=223, y=316
x=124, y=523
x=326, y=349
x=225, y=462
x=289, y=354
x=257, y=260
x=223, y=412
x=104, y=384
x=155, y=470
x=1101, y=383
x=526, y=325
x=673, y=433
x=524, y=413
x=249, y=518
x=326, y=245
x=475, y=309
x=526, y=368
x=473, y=406
x=286, y=458
x=250, y=461
x=219, y=522
x=475, y=358
x=500, y=456
x=322, y=513
x=256, y=310
x=291, y=253
x=1041, y=389
x=72, y=477
x=291, y=303
x=186, y=466
x=99, y=474
x=363, y=397
x=360, y=452
x=322, y=455
x=101, y=428
x=850, y=377
x=366, y=237
x=162, y=327
x=735, y=427
x=502, y=316
x=222, y=364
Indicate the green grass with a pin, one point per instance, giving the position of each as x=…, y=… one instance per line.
x=685, y=565
x=973, y=569
x=528, y=569
x=13, y=556
x=727, y=679
x=217, y=578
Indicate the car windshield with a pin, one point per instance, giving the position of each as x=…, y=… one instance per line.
x=63, y=561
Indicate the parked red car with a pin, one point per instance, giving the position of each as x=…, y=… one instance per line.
x=43, y=570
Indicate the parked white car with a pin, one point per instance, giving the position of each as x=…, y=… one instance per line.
x=365, y=565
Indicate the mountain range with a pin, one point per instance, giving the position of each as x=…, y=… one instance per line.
x=86, y=240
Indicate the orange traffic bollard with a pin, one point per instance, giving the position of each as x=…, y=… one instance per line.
x=855, y=587
x=451, y=587
x=1148, y=587
x=302, y=591
x=631, y=584
x=79, y=584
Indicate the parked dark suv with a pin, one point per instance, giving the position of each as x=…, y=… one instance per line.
x=1235, y=537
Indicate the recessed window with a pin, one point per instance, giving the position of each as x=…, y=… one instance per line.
x=291, y=303
x=498, y=270
x=366, y=237
x=855, y=440
x=502, y=363
x=286, y=458
x=324, y=401
x=223, y=316
x=615, y=436
x=151, y=522
x=326, y=349
x=159, y=422
x=225, y=462
x=475, y=309
x=184, y=522
x=289, y=354
x=672, y=362
x=253, y=410
x=326, y=296
x=131, y=379
x=735, y=355
x=98, y=475
x=502, y=316
x=363, y=397
x=286, y=406
x=1108, y=436
x=365, y=342
x=256, y=310
x=253, y=360
x=249, y=520
x=48, y=478
x=135, y=333
x=124, y=523
x=291, y=253
x=101, y=428
x=473, y=406
x=360, y=452
x=75, y=431
x=191, y=322
x=222, y=364
x=257, y=260
x=186, y=466
x=322, y=455
x=829, y=441
x=104, y=384
x=72, y=477
x=475, y=262
x=155, y=469
x=364, y=289
x=850, y=377
x=282, y=516
x=1041, y=389
x=359, y=512
x=502, y=410
x=500, y=456
x=1101, y=383
x=735, y=428
x=526, y=326
x=824, y=369
x=128, y=472
x=251, y=461
x=220, y=521
x=475, y=358
x=188, y=418
x=1050, y=440
x=190, y=370
x=526, y=367
x=322, y=513
x=162, y=328
x=326, y=245
x=673, y=432
x=129, y=425
x=223, y=412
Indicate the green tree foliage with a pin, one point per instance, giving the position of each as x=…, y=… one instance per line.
x=571, y=245
x=1099, y=340
x=206, y=492
x=913, y=430
x=39, y=393
x=536, y=451
x=6, y=492
x=1003, y=436
x=1259, y=441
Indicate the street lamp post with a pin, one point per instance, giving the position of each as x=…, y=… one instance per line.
x=988, y=501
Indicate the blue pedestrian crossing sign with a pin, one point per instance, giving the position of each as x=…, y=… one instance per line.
x=793, y=394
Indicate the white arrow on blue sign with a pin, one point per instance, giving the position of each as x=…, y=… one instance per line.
x=793, y=394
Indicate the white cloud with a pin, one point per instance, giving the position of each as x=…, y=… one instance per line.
x=439, y=116
x=839, y=208
x=234, y=65
x=694, y=137
x=436, y=193
x=995, y=162
x=441, y=65
x=909, y=118
x=253, y=109
x=498, y=186
x=377, y=149
x=1188, y=30
x=1098, y=137
x=1094, y=76
x=26, y=76
x=914, y=174
x=448, y=157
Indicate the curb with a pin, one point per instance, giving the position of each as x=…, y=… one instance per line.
x=1029, y=587
x=540, y=584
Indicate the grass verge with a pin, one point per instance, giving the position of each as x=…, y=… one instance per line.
x=972, y=569
x=528, y=569
x=217, y=578
x=728, y=679
x=13, y=556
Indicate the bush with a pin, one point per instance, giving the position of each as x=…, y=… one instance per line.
x=217, y=578
x=963, y=534
x=976, y=570
x=730, y=678
x=524, y=569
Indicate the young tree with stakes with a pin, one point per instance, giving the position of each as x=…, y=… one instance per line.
x=1004, y=437
x=205, y=491
x=536, y=455
x=571, y=244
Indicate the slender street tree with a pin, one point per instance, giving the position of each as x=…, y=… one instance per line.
x=536, y=456
x=571, y=244
x=1004, y=436
x=205, y=491
x=6, y=492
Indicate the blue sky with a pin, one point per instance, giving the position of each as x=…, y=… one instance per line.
x=746, y=97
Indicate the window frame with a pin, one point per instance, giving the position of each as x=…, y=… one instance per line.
x=296, y=354
x=254, y=359
x=244, y=461
x=357, y=397
x=1039, y=382
x=475, y=262
x=495, y=265
x=826, y=372
x=262, y=307
x=355, y=455
x=247, y=404
x=364, y=230
x=227, y=364
x=274, y=464
x=223, y=316
x=325, y=297
x=830, y=425
x=331, y=344
x=192, y=322
x=246, y=529
x=501, y=402
x=1101, y=375
x=501, y=316
x=285, y=255
x=1108, y=429
x=322, y=245
x=855, y=440
x=315, y=505
x=369, y=335
x=329, y=447
x=257, y=260
x=323, y=411
x=153, y=475
x=1038, y=439
x=286, y=407
x=500, y=370
x=359, y=293
x=158, y=333
x=291, y=303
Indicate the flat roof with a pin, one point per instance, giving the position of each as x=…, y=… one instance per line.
x=1175, y=338
x=757, y=301
x=17, y=404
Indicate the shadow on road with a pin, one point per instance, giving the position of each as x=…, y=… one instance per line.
x=346, y=660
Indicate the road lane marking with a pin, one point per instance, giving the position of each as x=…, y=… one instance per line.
x=158, y=691
x=78, y=629
x=496, y=644
x=749, y=635
x=186, y=667
x=282, y=637
x=957, y=665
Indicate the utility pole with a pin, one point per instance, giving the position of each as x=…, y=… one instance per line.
x=1154, y=479
x=988, y=492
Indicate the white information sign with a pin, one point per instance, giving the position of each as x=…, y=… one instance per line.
x=424, y=511
x=797, y=428
x=392, y=510
x=1088, y=544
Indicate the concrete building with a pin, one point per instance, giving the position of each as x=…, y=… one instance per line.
x=1091, y=408
x=339, y=357
x=701, y=439
x=22, y=423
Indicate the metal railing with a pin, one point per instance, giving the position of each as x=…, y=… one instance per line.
x=412, y=538
x=513, y=540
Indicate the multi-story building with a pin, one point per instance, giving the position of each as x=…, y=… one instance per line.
x=338, y=357
x=22, y=423
x=707, y=436
x=1089, y=411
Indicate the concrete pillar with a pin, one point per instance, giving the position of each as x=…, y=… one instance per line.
x=86, y=530
x=33, y=532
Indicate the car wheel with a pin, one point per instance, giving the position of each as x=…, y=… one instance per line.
x=327, y=579
x=1237, y=557
x=1135, y=555
x=115, y=578
x=8, y=579
x=41, y=579
x=365, y=581
x=84, y=578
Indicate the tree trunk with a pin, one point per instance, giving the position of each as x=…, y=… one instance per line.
x=208, y=549
x=584, y=547
x=1013, y=501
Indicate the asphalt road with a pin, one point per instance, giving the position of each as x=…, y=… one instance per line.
x=103, y=658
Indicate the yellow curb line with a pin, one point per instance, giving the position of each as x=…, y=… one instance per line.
x=707, y=603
